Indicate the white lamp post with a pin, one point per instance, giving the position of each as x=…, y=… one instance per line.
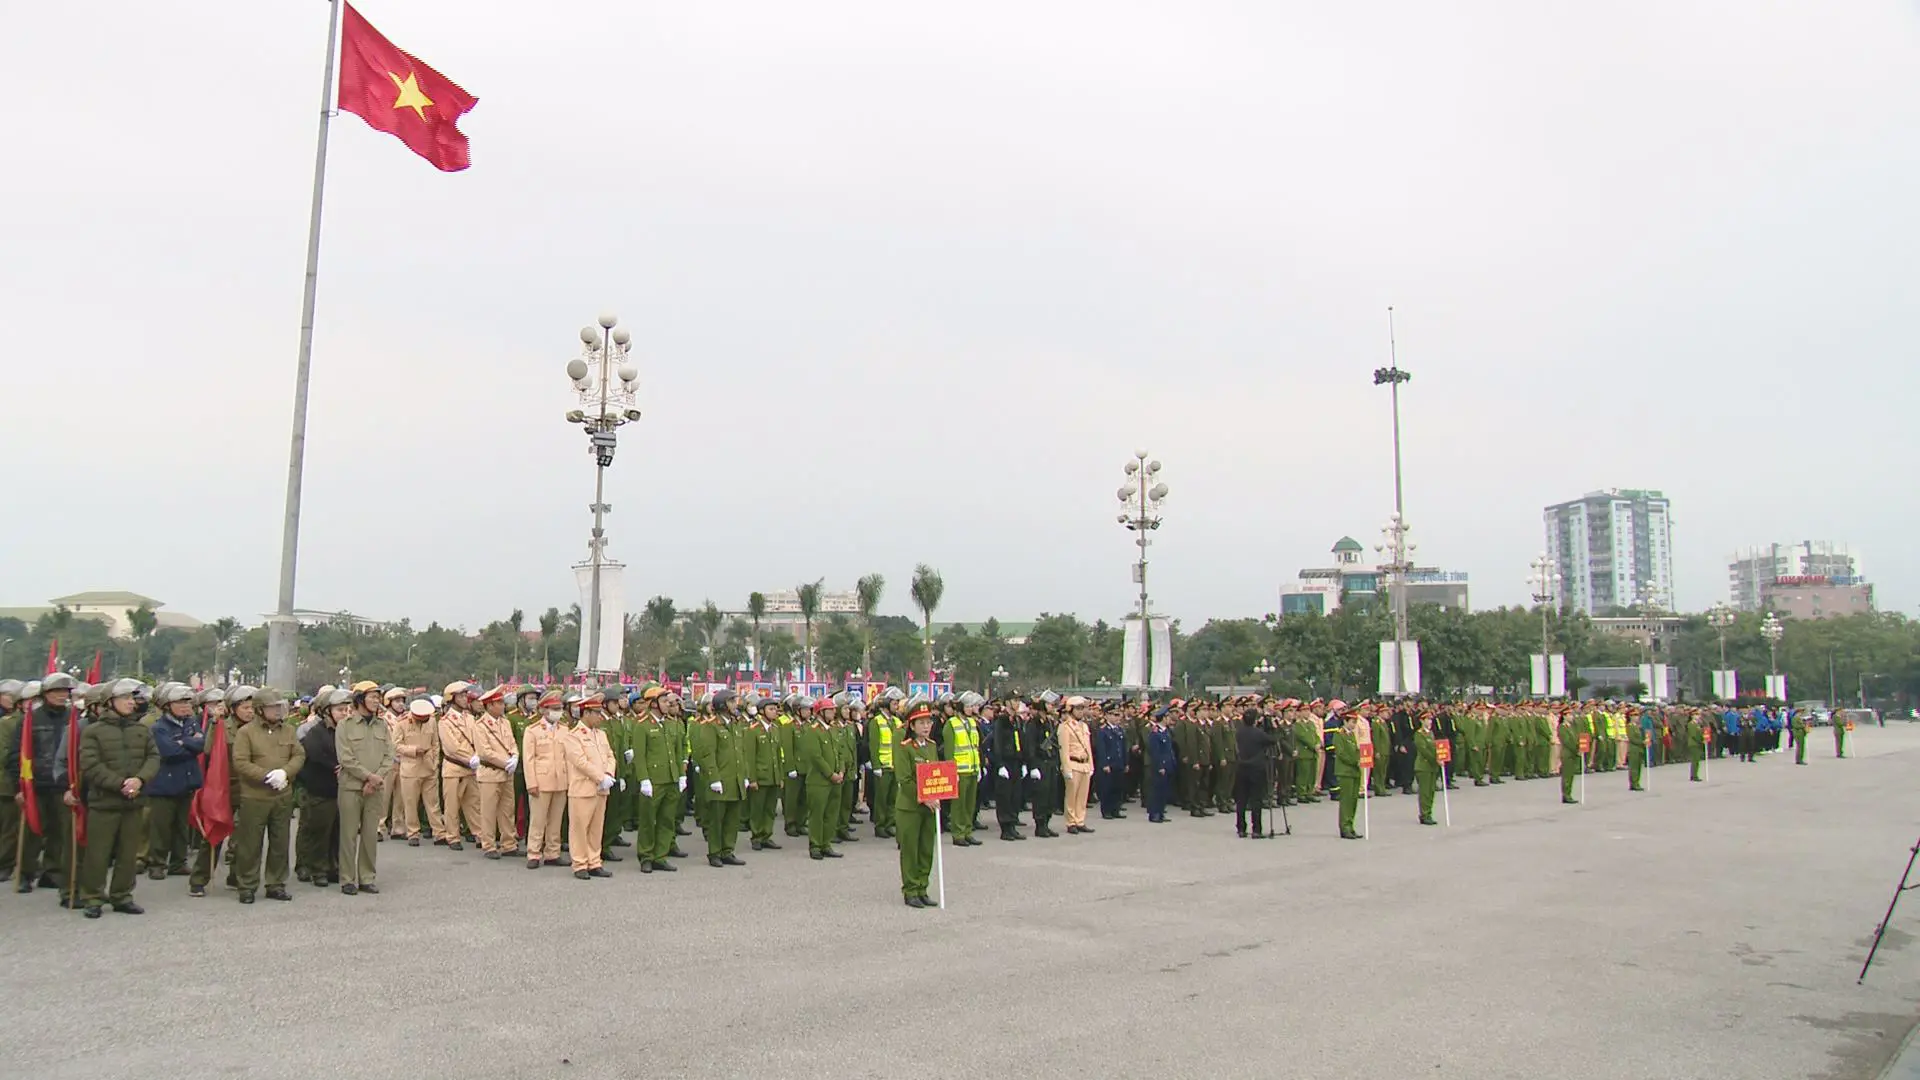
x=607, y=384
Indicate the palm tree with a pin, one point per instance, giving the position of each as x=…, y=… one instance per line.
x=141, y=621
x=926, y=590
x=660, y=617
x=866, y=593
x=809, y=607
x=224, y=629
x=517, y=621
x=756, y=610
x=549, y=626
x=707, y=621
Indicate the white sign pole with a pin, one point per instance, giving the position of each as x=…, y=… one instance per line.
x=1366, y=804
x=1446, y=804
x=939, y=858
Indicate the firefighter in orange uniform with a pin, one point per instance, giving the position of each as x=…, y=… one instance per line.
x=589, y=779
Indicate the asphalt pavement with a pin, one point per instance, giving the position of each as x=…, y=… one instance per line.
x=1695, y=930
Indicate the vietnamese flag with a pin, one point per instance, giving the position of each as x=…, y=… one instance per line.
x=73, y=774
x=397, y=94
x=53, y=656
x=30, y=807
x=211, y=811
x=93, y=673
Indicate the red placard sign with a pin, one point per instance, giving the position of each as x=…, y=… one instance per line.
x=1366, y=755
x=937, y=780
x=1586, y=743
x=1443, y=748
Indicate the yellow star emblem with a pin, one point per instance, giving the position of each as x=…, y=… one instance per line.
x=410, y=95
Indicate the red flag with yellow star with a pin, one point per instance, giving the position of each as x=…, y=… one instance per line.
x=397, y=94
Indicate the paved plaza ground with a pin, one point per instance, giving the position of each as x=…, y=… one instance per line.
x=1696, y=930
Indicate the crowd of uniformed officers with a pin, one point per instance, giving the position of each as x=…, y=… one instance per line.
x=536, y=773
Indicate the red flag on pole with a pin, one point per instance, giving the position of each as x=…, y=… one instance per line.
x=93, y=673
x=394, y=92
x=73, y=775
x=32, y=804
x=53, y=656
x=211, y=811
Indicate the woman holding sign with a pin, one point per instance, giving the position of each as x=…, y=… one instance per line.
x=915, y=821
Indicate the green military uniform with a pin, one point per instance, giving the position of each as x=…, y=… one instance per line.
x=619, y=731
x=1542, y=745
x=1570, y=762
x=960, y=744
x=883, y=734
x=1519, y=745
x=1799, y=725
x=1306, y=774
x=1839, y=735
x=1220, y=745
x=259, y=748
x=655, y=783
x=722, y=767
x=1346, y=773
x=1190, y=744
x=1382, y=740
x=819, y=759
x=1470, y=734
x=517, y=722
x=1696, y=746
x=793, y=792
x=915, y=823
x=1426, y=771
x=1636, y=753
x=767, y=771
x=846, y=741
x=113, y=750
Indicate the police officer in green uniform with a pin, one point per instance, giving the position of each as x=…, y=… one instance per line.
x=1800, y=729
x=1570, y=760
x=117, y=759
x=722, y=769
x=914, y=820
x=1637, y=734
x=766, y=772
x=1426, y=767
x=1346, y=773
x=846, y=738
x=819, y=761
x=1307, y=737
x=266, y=757
x=1696, y=746
x=793, y=793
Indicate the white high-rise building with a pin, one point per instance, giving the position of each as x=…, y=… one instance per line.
x=1613, y=548
x=1751, y=572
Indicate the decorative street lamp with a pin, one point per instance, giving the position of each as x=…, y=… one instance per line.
x=1264, y=670
x=1142, y=495
x=1399, y=563
x=1771, y=629
x=1546, y=586
x=1721, y=617
x=606, y=382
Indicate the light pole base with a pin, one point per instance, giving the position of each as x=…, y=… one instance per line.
x=283, y=652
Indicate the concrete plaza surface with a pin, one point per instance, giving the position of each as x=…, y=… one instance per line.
x=1696, y=930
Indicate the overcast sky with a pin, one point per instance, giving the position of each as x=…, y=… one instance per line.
x=911, y=282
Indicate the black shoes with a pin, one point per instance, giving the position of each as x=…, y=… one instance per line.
x=245, y=897
x=610, y=856
x=714, y=861
x=92, y=912
x=583, y=875
x=770, y=845
x=370, y=888
x=912, y=902
x=666, y=866
x=832, y=854
x=278, y=893
x=732, y=860
x=599, y=871
x=349, y=889
x=533, y=864
x=413, y=841
x=454, y=845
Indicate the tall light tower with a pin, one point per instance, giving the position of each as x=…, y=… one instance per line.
x=606, y=382
x=1546, y=587
x=1141, y=495
x=1392, y=376
x=1398, y=556
x=1771, y=629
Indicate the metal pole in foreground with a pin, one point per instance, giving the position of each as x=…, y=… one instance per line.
x=283, y=632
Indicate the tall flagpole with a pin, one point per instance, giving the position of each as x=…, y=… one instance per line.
x=283, y=631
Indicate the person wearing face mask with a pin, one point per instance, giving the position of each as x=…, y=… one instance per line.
x=266, y=758
x=543, y=759
x=179, y=739
x=589, y=779
x=419, y=753
x=42, y=775
x=117, y=760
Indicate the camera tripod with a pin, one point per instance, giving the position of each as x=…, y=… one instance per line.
x=1278, y=776
x=1881, y=930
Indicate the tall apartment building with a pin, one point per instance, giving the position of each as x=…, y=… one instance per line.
x=1612, y=548
x=1751, y=573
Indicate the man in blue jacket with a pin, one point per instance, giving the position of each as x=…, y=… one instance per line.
x=180, y=740
x=1162, y=763
x=1110, y=765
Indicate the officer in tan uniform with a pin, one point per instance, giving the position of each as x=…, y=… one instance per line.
x=364, y=748
x=543, y=761
x=393, y=710
x=459, y=766
x=589, y=778
x=419, y=752
x=499, y=758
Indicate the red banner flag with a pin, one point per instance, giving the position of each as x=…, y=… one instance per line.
x=73, y=774
x=53, y=656
x=211, y=811
x=396, y=93
x=93, y=673
x=31, y=808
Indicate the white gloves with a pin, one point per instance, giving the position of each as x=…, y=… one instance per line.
x=716, y=787
x=879, y=771
x=646, y=788
x=792, y=775
x=1003, y=773
x=683, y=783
x=623, y=785
x=513, y=763
x=474, y=762
x=277, y=779
x=606, y=783
x=629, y=757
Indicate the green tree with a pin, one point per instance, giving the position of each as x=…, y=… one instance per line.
x=809, y=595
x=549, y=627
x=1055, y=649
x=867, y=592
x=517, y=622
x=842, y=647
x=756, y=611
x=927, y=588
x=780, y=656
x=656, y=635
x=706, y=622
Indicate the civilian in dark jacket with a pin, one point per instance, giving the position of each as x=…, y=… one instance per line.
x=316, y=847
x=179, y=740
x=1012, y=754
x=1252, y=745
x=48, y=719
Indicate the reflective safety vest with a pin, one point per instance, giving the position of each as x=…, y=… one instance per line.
x=964, y=734
x=881, y=730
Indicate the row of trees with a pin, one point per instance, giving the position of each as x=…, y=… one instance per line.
x=1873, y=657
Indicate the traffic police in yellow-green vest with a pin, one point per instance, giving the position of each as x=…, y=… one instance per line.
x=960, y=744
x=883, y=734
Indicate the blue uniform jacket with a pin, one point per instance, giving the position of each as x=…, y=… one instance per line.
x=1110, y=748
x=1160, y=752
x=180, y=744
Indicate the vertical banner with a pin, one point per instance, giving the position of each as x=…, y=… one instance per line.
x=1146, y=653
x=1556, y=675
x=613, y=614
x=1654, y=678
x=1408, y=651
x=1160, y=674
x=1777, y=687
x=1537, y=685
x=1726, y=685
